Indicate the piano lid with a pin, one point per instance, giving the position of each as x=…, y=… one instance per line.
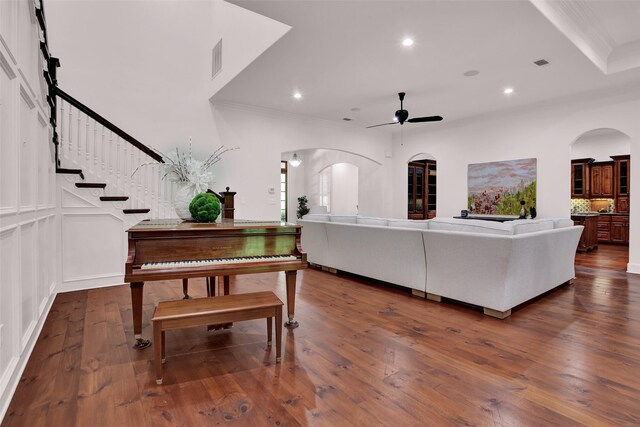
x=176, y=224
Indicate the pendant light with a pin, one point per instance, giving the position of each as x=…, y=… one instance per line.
x=295, y=160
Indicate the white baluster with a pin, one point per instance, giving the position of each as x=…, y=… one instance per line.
x=133, y=169
x=138, y=179
x=118, y=167
x=70, y=132
x=103, y=159
x=95, y=145
x=61, y=119
x=147, y=186
x=78, y=141
x=110, y=151
x=126, y=172
x=156, y=178
x=86, y=142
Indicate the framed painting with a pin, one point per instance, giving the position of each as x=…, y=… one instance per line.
x=497, y=188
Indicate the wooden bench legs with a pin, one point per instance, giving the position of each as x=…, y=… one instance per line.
x=189, y=313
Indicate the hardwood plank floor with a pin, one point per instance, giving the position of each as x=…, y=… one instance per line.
x=364, y=354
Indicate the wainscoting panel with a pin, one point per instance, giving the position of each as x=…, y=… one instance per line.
x=8, y=147
x=27, y=152
x=93, y=246
x=8, y=279
x=28, y=264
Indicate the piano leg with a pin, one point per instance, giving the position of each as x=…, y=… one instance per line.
x=185, y=288
x=136, y=304
x=291, y=299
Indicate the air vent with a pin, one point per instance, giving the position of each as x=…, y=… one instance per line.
x=216, y=59
x=541, y=62
x=346, y=119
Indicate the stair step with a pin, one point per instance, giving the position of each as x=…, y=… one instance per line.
x=114, y=198
x=90, y=185
x=136, y=211
x=70, y=171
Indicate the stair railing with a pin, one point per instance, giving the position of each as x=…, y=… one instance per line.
x=94, y=144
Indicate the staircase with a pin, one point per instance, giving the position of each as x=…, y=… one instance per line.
x=97, y=155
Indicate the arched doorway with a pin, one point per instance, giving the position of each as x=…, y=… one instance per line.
x=421, y=187
x=600, y=190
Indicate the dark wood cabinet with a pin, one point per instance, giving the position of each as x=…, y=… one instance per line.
x=589, y=237
x=580, y=178
x=421, y=189
x=601, y=184
x=604, y=228
x=622, y=182
x=613, y=228
x=620, y=229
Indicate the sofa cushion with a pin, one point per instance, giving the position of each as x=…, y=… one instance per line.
x=562, y=222
x=317, y=217
x=522, y=226
x=470, y=226
x=371, y=221
x=344, y=219
x=407, y=223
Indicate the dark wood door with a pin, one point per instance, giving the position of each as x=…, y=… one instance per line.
x=596, y=181
x=618, y=231
x=421, y=189
x=607, y=181
x=580, y=178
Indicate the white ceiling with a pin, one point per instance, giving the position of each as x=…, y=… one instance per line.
x=348, y=54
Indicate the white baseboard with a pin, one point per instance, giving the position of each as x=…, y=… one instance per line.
x=11, y=378
x=633, y=268
x=101, y=281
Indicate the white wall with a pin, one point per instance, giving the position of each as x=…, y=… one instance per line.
x=544, y=132
x=344, y=189
x=263, y=136
x=29, y=226
x=600, y=144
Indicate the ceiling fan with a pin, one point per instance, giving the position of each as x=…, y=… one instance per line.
x=402, y=116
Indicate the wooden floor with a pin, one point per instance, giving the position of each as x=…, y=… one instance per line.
x=364, y=354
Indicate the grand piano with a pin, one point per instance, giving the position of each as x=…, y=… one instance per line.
x=165, y=249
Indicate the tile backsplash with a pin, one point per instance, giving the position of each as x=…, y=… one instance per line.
x=591, y=205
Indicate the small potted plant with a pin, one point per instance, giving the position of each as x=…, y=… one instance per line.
x=303, y=209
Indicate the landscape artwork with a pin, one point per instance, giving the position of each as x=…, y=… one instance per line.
x=496, y=188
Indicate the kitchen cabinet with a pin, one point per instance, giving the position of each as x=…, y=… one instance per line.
x=613, y=228
x=601, y=184
x=604, y=228
x=621, y=182
x=580, y=178
x=620, y=229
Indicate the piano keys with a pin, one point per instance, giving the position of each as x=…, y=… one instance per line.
x=175, y=249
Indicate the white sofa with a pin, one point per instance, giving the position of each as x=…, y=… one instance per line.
x=493, y=265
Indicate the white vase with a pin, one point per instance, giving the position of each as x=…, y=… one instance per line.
x=181, y=200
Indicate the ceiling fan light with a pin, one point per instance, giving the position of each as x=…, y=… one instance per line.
x=295, y=161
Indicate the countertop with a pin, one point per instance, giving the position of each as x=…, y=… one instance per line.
x=597, y=214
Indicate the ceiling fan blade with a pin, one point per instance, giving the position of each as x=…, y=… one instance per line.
x=425, y=119
x=383, y=124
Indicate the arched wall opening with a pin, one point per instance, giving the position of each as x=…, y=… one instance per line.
x=600, y=184
x=340, y=181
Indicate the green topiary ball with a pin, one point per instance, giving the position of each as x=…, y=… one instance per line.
x=205, y=207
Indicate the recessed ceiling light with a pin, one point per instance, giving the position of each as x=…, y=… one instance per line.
x=407, y=42
x=297, y=95
x=355, y=109
x=471, y=73
x=508, y=91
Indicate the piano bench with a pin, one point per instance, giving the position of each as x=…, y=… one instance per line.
x=189, y=313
